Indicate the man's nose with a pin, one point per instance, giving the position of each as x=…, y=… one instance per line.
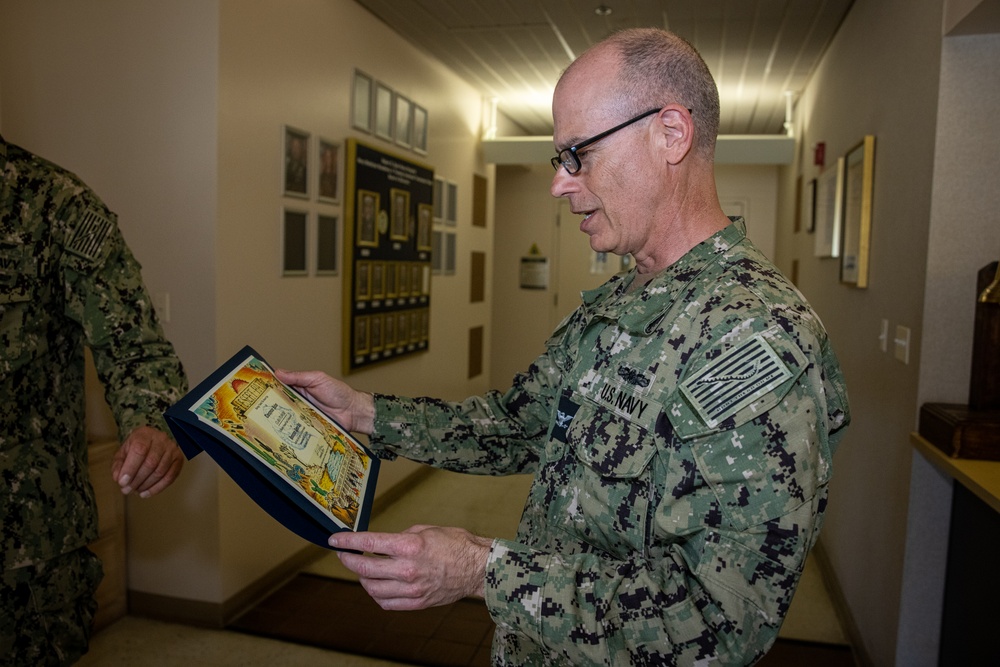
x=563, y=183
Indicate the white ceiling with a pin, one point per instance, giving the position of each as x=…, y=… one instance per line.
x=514, y=50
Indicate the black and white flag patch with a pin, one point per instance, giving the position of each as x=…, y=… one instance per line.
x=89, y=235
x=735, y=380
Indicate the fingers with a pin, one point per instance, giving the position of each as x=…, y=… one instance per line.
x=303, y=380
x=421, y=567
x=147, y=462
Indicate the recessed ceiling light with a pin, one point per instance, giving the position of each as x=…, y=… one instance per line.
x=602, y=10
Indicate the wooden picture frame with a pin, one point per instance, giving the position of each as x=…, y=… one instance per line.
x=425, y=223
x=859, y=185
x=295, y=162
x=362, y=281
x=399, y=214
x=367, y=224
x=328, y=173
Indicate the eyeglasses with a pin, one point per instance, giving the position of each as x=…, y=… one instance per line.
x=568, y=158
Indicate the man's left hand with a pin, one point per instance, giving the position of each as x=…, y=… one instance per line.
x=424, y=566
x=147, y=462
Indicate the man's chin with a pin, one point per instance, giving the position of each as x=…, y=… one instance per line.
x=597, y=245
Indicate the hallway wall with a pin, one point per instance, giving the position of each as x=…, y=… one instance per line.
x=173, y=112
x=865, y=87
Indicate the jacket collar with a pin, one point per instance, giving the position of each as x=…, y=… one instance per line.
x=640, y=311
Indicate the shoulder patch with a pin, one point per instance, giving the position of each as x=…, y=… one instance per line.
x=89, y=235
x=734, y=380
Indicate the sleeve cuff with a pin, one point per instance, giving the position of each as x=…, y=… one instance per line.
x=515, y=586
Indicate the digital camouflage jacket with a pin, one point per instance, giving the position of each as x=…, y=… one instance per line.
x=681, y=439
x=66, y=279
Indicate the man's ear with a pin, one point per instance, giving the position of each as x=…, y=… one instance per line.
x=676, y=131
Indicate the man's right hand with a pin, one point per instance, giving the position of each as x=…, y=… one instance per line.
x=354, y=410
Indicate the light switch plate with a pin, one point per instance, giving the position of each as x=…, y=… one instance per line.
x=902, y=343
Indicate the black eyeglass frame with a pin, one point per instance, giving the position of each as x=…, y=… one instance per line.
x=571, y=153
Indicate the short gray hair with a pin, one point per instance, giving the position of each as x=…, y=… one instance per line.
x=660, y=67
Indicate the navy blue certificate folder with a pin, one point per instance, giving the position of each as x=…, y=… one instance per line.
x=298, y=464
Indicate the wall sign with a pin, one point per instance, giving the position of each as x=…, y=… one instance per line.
x=387, y=256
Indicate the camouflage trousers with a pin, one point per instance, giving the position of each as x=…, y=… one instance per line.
x=46, y=610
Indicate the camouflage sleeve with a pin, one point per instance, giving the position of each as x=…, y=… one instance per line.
x=141, y=373
x=495, y=434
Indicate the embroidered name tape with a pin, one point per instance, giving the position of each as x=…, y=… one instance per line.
x=735, y=380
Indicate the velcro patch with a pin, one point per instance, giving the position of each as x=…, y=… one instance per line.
x=734, y=380
x=89, y=236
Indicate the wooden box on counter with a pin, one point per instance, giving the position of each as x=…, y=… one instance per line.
x=960, y=432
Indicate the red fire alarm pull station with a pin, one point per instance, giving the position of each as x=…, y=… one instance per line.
x=819, y=154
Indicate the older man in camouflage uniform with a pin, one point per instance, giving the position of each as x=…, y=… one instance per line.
x=680, y=423
x=67, y=280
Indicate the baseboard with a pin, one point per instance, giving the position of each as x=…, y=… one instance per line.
x=218, y=615
x=840, y=607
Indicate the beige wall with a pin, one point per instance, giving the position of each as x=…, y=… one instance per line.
x=928, y=159
x=862, y=87
x=964, y=236
x=293, y=64
x=125, y=95
x=173, y=113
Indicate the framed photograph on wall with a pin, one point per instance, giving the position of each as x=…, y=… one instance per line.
x=361, y=335
x=327, y=250
x=419, y=129
x=329, y=171
x=384, y=114
x=391, y=289
x=389, y=331
x=294, y=231
x=363, y=281
x=425, y=214
x=378, y=280
x=295, y=175
x=399, y=215
x=451, y=204
x=438, y=199
x=403, y=121
x=361, y=102
x=829, y=189
x=367, y=224
x=859, y=183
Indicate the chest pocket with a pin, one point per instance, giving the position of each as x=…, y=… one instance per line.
x=605, y=478
x=18, y=282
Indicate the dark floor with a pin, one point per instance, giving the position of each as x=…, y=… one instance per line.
x=339, y=615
